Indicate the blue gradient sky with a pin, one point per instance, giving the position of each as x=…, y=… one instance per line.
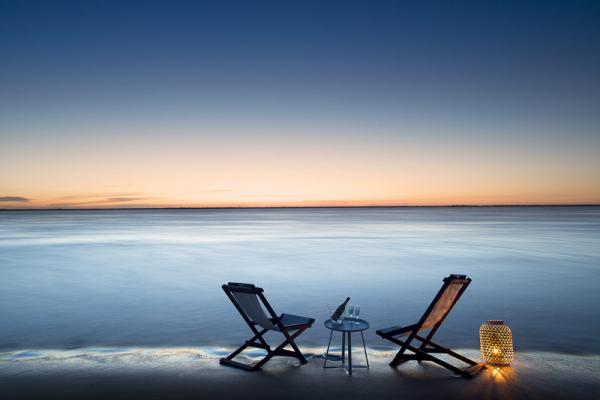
x=277, y=103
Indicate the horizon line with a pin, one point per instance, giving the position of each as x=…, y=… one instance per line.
x=287, y=207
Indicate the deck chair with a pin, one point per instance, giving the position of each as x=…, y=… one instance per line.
x=453, y=287
x=252, y=304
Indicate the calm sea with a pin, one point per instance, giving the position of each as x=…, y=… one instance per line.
x=73, y=279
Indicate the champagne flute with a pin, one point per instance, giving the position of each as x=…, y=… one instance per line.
x=356, y=311
x=351, y=312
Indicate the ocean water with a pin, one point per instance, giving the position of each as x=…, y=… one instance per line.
x=152, y=278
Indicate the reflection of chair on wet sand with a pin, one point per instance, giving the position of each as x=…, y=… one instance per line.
x=247, y=299
x=440, y=307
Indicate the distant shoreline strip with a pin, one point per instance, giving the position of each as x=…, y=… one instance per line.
x=300, y=207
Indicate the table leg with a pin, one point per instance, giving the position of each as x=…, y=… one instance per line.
x=327, y=352
x=350, y=353
x=365, y=348
x=343, y=346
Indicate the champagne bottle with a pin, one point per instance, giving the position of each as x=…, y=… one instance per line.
x=340, y=310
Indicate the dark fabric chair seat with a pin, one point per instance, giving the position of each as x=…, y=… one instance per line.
x=291, y=321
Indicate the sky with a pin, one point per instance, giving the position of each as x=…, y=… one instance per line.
x=228, y=104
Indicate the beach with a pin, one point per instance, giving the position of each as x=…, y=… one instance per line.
x=180, y=373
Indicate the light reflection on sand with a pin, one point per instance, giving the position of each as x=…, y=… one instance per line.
x=141, y=357
x=184, y=371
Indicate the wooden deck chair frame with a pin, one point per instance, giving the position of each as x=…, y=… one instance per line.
x=290, y=332
x=425, y=350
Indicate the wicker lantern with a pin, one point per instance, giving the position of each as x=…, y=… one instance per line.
x=495, y=341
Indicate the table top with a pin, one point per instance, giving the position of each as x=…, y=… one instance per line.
x=347, y=325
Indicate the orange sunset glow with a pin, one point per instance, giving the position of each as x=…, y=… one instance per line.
x=261, y=170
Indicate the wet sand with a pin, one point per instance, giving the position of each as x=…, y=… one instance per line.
x=195, y=373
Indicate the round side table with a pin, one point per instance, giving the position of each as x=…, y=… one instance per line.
x=347, y=327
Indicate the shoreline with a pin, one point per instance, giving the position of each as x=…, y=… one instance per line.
x=216, y=351
x=303, y=207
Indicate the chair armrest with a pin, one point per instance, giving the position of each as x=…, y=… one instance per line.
x=396, y=330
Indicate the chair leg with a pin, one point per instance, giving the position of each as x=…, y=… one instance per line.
x=426, y=356
x=400, y=357
x=236, y=352
x=236, y=364
x=252, y=342
x=249, y=342
x=297, y=351
x=279, y=350
x=419, y=354
x=442, y=349
x=403, y=347
x=262, y=344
